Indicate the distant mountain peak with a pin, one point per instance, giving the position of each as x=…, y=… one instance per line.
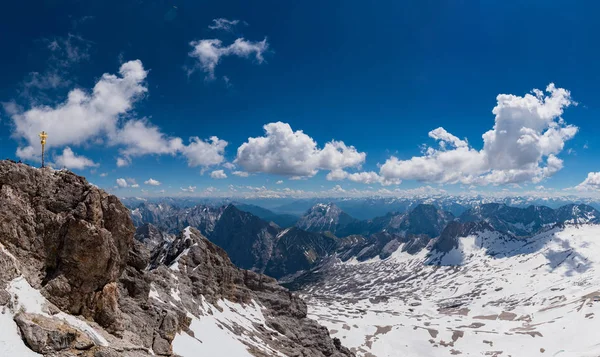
x=324, y=217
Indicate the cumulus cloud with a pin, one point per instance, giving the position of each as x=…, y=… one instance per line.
x=224, y=24
x=83, y=116
x=241, y=173
x=142, y=138
x=122, y=162
x=122, y=183
x=521, y=147
x=218, y=174
x=102, y=116
x=591, y=182
x=209, y=53
x=283, y=151
x=69, y=160
x=279, y=182
x=368, y=178
x=204, y=153
x=188, y=189
x=152, y=182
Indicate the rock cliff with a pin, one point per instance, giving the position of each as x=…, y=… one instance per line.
x=75, y=282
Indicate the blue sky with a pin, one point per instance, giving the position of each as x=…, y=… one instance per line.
x=379, y=77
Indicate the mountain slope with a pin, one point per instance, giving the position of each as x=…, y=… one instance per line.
x=172, y=219
x=75, y=282
x=530, y=220
x=247, y=239
x=297, y=250
x=324, y=218
x=492, y=295
x=282, y=220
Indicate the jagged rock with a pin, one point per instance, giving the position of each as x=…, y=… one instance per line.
x=46, y=335
x=151, y=236
x=75, y=244
x=70, y=237
x=204, y=271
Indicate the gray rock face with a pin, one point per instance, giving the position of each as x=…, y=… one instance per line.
x=46, y=335
x=172, y=219
x=203, y=270
x=151, y=236
x=71, y=238
x=325, y=217
x=75, y=244
x=524, y=222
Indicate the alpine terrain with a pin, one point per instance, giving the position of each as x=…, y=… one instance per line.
x=75, y=282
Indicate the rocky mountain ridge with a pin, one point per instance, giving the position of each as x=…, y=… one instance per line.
x=75, y=282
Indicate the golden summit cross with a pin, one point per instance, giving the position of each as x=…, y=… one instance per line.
x=43, y=137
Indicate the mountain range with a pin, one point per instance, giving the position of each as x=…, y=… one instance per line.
x=325, y=231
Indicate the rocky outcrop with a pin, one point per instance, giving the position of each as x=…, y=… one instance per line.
x=46, y=335
x=77, y=283
x=449, y=239
x=70, y=238
x=198, y=269
x=151, y=235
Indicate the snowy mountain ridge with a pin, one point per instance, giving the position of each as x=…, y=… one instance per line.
x=492, y=294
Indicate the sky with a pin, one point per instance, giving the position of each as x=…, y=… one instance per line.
x=305, y=98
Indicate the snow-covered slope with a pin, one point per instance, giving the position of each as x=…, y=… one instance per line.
x=492, y=296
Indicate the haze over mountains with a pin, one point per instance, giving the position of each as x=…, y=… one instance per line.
x=325, y=230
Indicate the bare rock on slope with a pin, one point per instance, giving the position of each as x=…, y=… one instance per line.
x=71, y=238
x=46, y=335
x=74, y=243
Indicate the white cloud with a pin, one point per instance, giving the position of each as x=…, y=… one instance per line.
x=135, y=185
x=204, y=153
x=121, y=182
x=218, y=174
x=143, y=138
x=29, y=153
x=241, y=173
x=188, y=189
x=104, y=174
x=209, y=53
x=229, y=166
x=152, y=182
x=223, y=24
x=101, y=116
x=279, y=182
x=283, y=151
x=69, y=160
x=84, y=116
x=361, y=177
x=122, y=162
x=522, y=146
x=444, y=137
x=591, y=182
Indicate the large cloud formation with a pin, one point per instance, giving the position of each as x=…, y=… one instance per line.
x=283, y=151
x=102, y=117
x=522, y=146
